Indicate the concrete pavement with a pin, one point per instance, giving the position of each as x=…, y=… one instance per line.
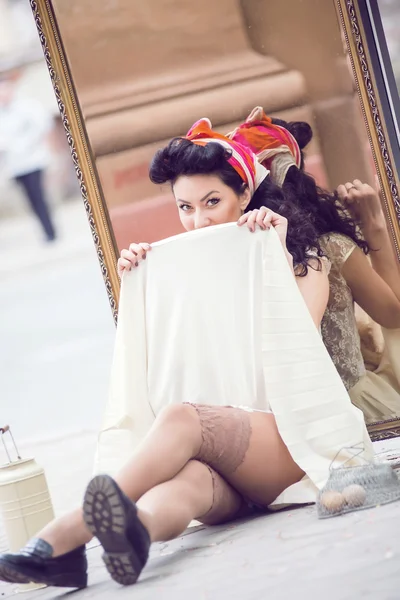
x=280, y=556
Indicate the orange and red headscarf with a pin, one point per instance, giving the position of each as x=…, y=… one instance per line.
x=242, y=159
x=274, y=146
x=257, y=147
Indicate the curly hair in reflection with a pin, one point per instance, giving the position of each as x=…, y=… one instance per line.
x=324, y=209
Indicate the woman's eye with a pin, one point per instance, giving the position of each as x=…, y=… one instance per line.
x=185, y=207
x=213, y=201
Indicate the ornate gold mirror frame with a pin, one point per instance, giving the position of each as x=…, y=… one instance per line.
x=349, y=16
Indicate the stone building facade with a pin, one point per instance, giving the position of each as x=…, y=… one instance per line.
x=144, y=72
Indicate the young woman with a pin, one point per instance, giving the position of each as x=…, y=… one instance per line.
x=191, y=165
x=210, y=463
x=372, y=282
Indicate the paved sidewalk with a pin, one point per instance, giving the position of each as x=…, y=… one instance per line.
x=56, y=328
x=281, y=556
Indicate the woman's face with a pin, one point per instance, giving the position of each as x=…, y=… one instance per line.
x=204, y=200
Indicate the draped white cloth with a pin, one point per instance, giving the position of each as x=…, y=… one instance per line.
x=215, y=316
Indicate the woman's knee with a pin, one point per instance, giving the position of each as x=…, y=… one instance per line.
x=196, y=472
x=183, y=420
x=184, y=414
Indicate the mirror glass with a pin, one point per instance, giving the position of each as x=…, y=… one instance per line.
x=390, y=15
x=145, y=74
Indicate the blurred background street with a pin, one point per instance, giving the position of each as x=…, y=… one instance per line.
x=56, y=333
x=56, y=328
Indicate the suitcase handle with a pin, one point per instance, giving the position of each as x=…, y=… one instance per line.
x=3, y=431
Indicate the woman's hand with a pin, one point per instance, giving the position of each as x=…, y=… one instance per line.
x=265, y=218
x=363, y=204
x=131, y=257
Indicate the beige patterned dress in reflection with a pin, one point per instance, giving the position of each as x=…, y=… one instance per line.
x=376, y=393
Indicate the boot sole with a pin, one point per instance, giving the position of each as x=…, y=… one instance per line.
x=106, y=517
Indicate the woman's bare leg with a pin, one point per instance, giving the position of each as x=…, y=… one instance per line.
x=167, y=509
x=261, y=468
x=126, y=531
x=174, y=439
x=66, y=533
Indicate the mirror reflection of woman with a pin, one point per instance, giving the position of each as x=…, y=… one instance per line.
x=210, y=463
x=364, y=269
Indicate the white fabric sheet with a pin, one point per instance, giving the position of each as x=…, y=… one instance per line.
x=215, y=317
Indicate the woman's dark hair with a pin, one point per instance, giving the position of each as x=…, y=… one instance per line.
x=324, y=208
x=182, y=157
